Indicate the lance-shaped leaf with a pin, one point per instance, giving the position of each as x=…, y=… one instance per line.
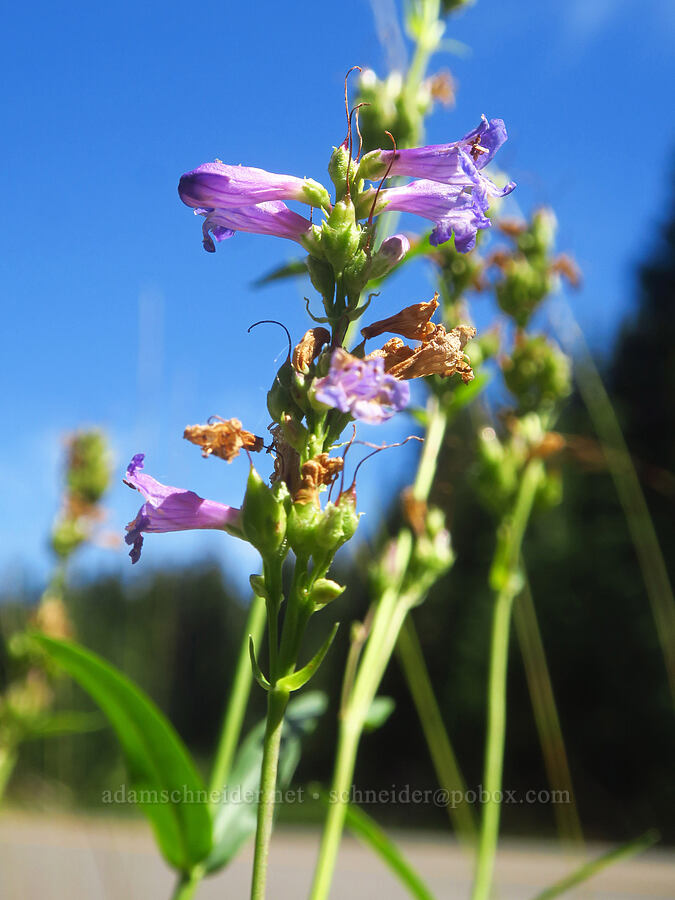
x=235, y=816
x=298, y=679
x=163, y=776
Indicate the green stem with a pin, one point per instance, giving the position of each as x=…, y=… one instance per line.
x=443, y=756
x=437, y=422
x=277, y=701
x=187, y=885
x=283, y=661
x=241, y=688
x=8, y=757
x=504, y=579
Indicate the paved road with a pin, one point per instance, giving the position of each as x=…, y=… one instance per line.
x=60, y=858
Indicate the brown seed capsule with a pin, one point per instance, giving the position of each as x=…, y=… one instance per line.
x=413, y=322
x=224, y=439
x=309, y=348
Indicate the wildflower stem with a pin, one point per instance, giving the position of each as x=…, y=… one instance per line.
x=505, y=583
x=187, y=885
x=283, y=661
x=277, y=700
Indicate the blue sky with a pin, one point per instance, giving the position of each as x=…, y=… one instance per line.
x=113, y=314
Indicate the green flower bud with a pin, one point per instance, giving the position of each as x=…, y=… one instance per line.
x=497, y=471
x=263, y=514
x=337, y=169
x=324, y=591
x=280, y=397
x=67, y=535
x=522, y=289
x=341, y=236
x=537, y=373
x=538, y=240
x=338, y=524
x=316, y=194
x=355, y=277
x=550, y=490
x=450, y=6
x=303, y=519
x=88, y=467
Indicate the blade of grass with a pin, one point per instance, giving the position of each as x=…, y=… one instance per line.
x=546, y=715
x=411, y=658
x=589, y=869
x=367, y=830
x=631, y=496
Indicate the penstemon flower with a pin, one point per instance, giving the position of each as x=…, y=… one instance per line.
x=217, y=185
x=170, y=509
x=361, y=387
x=272, y=217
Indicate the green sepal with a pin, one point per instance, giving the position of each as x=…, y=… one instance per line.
x=257, y=671
x=295, y=681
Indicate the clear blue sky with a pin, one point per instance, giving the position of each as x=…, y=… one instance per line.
x=112, y=312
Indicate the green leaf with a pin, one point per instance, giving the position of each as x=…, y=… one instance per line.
x=298, y=679
x=583, y=873
x=291, y=269
x=163, y=777
x=235, y=816
x=368, y=831
x=380, y=710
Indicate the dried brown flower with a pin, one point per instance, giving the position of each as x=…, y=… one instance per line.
x=309, y=348
x=442, y=86
x=567, y=267
x=442, y=354
x=414, y=511
x=224, y=438
x=413, y=322
x=322, y=469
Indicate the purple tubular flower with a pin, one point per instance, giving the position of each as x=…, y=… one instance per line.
x=451, y=189
x=170, y=509
x=449, y=163
x=450, y=208
x=217, y=185
x=361, y=388
x=272, y=217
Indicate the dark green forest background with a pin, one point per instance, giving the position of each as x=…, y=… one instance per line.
x=177, y=632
